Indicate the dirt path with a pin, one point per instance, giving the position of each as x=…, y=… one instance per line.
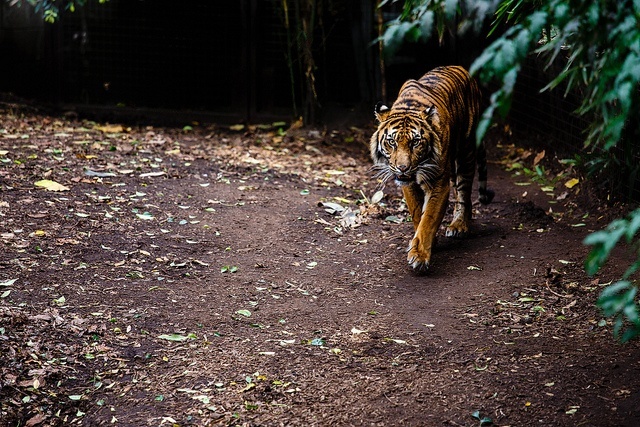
x=195, y=278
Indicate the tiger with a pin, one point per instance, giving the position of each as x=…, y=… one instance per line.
x=426, y=143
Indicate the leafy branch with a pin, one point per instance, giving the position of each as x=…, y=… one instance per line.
x=50, y=9
x=420, y=19
x=619, y=299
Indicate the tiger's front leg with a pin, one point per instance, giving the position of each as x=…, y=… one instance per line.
x=414, y=197
x=434, y=206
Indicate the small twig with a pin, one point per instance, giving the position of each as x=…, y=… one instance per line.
x=557, y=294
x=387, y=397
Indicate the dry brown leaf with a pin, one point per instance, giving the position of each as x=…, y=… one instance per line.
x=538, y=158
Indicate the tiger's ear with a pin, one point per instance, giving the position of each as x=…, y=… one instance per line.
x=381, y=111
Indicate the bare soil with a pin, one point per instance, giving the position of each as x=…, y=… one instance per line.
x=200, y=277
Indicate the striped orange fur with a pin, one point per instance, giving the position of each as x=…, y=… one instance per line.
x=426, y=141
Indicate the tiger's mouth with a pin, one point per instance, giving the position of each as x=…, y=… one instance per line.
x=403, y=179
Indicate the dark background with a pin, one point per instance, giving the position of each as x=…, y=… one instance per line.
x=227, y=58
x=226, y=61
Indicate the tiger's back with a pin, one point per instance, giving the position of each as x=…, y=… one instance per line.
x=450, y=89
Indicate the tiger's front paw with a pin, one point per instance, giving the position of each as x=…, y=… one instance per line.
x=418, y=259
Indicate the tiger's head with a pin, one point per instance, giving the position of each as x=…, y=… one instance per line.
x=407, y=145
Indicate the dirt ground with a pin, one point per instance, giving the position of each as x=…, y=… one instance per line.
x=206, y=276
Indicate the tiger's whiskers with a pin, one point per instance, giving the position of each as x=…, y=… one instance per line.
x=382, y=173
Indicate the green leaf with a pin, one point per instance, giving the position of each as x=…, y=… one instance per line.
x=145, y=216
x=450, y=9
x=245, y=313
x=485, y=122
x=426, y=26
x=317, y=342
x=229, y=269
x=619, y=302
x=486, y=421
x=393, y=218
x=177, y=337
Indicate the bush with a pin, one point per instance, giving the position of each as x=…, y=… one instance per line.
x=619, y=299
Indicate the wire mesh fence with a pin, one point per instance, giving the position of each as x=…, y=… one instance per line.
x=235, y=58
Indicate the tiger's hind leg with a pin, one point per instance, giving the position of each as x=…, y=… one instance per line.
x=465, y=172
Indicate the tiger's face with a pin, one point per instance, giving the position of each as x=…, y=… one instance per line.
x=405, y=146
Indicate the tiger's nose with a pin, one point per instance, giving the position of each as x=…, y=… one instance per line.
x=403, y=168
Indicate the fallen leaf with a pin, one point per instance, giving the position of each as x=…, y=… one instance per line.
x=332, y=207
x=177, y=337
x=394, y=219
x=151, y=174
x=90, y=172
x=49, y=185
x=35, y=420
x=145, y=216
x=8, y=282
x=110, y=128
x=245, y=313
x=317, y=342
x=248, y=387
x=538, y=157
x=377, y=197
x=571, y=183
